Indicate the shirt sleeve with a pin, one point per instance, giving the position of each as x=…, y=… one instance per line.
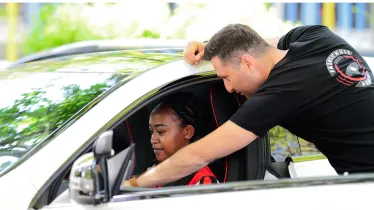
x=263, y=111
x=299, y=34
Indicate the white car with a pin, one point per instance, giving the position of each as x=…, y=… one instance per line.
x=106, y=45
x=64, y=115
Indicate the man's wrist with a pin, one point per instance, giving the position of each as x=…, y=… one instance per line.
x=133, y=182
x=148, y=179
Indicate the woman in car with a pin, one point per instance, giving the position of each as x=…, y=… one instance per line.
x=174, y=123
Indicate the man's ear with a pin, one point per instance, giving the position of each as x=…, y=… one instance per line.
x=188, y=132
x=249, y=61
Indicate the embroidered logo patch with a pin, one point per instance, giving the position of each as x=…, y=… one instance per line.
x=347, y=69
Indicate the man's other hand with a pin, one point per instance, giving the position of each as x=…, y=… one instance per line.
x=194, y=52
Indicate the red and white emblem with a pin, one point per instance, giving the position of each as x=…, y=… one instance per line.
x=347, y=69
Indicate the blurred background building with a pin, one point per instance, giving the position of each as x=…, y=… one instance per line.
x=32, y=27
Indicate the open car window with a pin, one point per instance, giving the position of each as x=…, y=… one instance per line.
x=285, y=144
x=218, y=105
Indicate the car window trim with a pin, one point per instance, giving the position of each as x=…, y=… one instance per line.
x=119, y=118
x=242, y=186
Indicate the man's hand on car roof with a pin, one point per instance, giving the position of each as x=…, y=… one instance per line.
x=194, y=52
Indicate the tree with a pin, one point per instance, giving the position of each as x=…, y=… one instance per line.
x=33, y=116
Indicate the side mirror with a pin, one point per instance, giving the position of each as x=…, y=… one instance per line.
x=82, y=180
x=103, y=146
x=89, y=174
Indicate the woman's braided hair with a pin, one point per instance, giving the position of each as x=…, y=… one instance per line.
x=187, y=110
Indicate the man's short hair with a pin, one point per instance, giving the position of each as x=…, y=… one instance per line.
x=232, y=41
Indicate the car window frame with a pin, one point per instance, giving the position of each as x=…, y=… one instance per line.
x=242, y=186
x=204, y=70
x=171, y=88
x=182, y=190
x=174, y=87
x=63, y=127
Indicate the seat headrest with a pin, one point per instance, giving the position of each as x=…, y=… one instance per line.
x=223, y=106
x=223, y=103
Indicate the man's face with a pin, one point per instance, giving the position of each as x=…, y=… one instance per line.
x=244, y=79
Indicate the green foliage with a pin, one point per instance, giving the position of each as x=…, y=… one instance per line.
x=2, y=11
x=307, y=148
x=284, y=143
x=50, y=31
x=67, y=23
x=150, y=34
x=267, y=5
x=33, y=116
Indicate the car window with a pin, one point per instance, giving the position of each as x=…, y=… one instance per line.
x=34, y=105
x=283, y=144
x=38, y=98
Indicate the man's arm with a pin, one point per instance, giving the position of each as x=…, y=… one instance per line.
x=194, y=51
x=225, y=140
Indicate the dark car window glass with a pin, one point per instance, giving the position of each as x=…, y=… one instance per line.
x=33, y=105
x=284, y=144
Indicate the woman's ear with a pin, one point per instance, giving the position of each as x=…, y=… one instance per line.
x=188, y=132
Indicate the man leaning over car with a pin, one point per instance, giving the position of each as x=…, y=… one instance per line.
x=310, y=81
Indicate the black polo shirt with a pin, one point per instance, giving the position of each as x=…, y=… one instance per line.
x=322, y=91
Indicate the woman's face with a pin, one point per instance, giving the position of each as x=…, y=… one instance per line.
x=167, y=135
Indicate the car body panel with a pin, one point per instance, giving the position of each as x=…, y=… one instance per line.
x=341, y=196
x=114, y=62
x=42, y=167
x=56, y=84
x=77, y=134
x=91, y=46
x=16, y=190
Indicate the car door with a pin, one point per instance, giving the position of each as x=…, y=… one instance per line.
x=198, y=85
x=102, y=116
x=123, y=202
x=347, y=194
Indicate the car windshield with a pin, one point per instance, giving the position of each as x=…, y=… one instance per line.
x=37, y=99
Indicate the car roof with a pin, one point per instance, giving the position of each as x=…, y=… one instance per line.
x=123, y=61
x=91, y=46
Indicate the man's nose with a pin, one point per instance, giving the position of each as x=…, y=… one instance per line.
x=228, y=87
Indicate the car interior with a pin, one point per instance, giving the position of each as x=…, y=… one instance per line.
x=219, y=106
x=253, y=162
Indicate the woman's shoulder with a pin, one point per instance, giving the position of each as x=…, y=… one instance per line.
x=206, y=170
x=204, y=176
